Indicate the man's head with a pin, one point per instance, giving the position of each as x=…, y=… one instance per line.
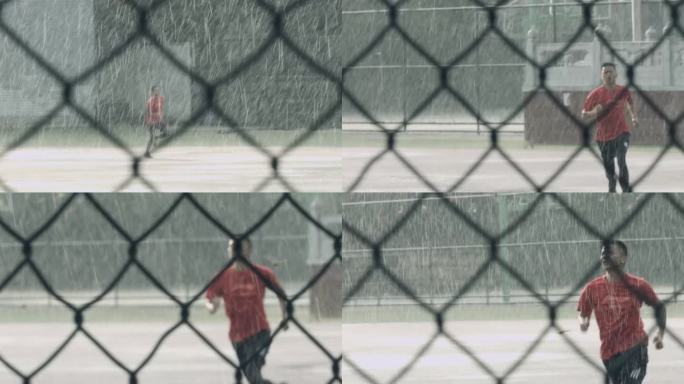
x=245, y=245
x=155, y=90
x=608, y=74
x=614, y=255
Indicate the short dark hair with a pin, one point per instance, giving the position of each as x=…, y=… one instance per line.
x=608, y=64
x=244, y=240
x=618, y=243
x=153, y=87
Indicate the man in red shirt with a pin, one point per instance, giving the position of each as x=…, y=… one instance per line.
x=242, y=291
x=608, y=103
x=616, y=298
x=154, y=117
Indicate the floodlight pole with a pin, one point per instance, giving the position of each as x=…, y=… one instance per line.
x=636, y=20
x=503, y=224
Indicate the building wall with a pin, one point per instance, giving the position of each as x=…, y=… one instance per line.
x=214, y=38
x=278, y=91
x=61, y=32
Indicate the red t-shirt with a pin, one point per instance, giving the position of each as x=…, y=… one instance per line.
x=613, y=124
x=154, y=113
x=243, y=298
x=617, y=311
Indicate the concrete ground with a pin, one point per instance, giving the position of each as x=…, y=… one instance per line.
x=182, y=357
x=173, y=169
x=382, y=350
x=446, y=158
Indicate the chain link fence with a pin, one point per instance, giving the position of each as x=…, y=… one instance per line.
x=39, y=252
x=440, y=254
x=493, y=67
x=78, y=73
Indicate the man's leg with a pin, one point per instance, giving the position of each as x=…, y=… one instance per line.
x=622, y=147
x=150, y=141
x=162, y=128
x=607, y=155
x=252, y=355
x=629, y=367
x=634, y=369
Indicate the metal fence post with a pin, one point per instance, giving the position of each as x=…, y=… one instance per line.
x=503, y=222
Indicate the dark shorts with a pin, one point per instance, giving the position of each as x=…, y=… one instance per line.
x=251, y=353
x=628, y=367
x=614, y=148
x=156, y=127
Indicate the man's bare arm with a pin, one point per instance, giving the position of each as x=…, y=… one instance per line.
x=632, y=114
x=283, y=303
x=593, y=113
x=661, y=320
x=283, y=310
x=213, y=304
x=583, y=322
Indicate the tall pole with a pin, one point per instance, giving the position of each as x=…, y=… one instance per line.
x=503, y=223
x=404, y=89
x=555, y=23
x=477, y=75
x=636, y=20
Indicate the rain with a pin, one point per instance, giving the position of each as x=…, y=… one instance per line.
x=437, y=257
x=233, y=86
x=450, y=73
x=82, y=257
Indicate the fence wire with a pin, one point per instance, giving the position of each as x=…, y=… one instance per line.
x=145, y=12
x=495, y=242
x=80, y=311
x=394, y=10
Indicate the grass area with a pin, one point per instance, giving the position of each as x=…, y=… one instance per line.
x=413, y=313
x=452, y=140
x=131, y=313
x=136, y=136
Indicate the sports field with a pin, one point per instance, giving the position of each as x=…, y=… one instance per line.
x=130, y=334
x=196, y=162
x=445, y=158
x=382, y=349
